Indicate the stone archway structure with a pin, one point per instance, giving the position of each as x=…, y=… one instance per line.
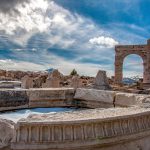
x=121, y=51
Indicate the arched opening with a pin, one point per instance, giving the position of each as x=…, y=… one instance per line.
x=132, y=68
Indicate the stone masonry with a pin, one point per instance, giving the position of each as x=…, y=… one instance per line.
x=124, y=50
x=53, y=80
x=27, y=82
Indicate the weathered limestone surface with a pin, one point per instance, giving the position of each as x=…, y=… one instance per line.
x=95, y=98
x=143, y=101
x=27, y=82
x=93, y=129
x=6, y=133
x=53, y=80
x=88, y=129
x=126, y=99
x=101, y=81
x=130, y=100
x=7, y=85
x=51, y=97
x=101, y=98
x=12, y=99
x=76, y=82
x=40, y=97
x=10, y=84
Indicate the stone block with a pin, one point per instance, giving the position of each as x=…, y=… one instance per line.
x=10, y=99
x=6, y=133
x=95, y=95
x=101, y=81
x=50, y=97
x=127, y=99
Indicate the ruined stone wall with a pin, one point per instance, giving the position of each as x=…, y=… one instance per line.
x=31, y=98
x=51, y=97
x=13, y=99
x=68, y=97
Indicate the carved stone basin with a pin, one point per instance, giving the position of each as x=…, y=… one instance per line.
x=16, y=115
x=113, y=120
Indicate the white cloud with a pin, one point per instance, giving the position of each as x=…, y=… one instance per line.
x=23, y=49
x=64, y=29
x=58, y=25
x=20, y=65
x=103, y=41
x=31, y=18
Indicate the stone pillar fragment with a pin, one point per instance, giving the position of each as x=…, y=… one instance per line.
x=27, y=82
x=76, y=82
x=101, y=81
x=53, y=80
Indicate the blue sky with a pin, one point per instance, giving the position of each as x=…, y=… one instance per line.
x=66, y=34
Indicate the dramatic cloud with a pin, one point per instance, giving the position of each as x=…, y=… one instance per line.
x=30, y=17
x=20, y=65
x=59, y=26
x=42, y=34
x=9, y=6
x=103, y=42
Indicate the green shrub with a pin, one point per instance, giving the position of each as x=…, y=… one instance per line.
x=73, y=72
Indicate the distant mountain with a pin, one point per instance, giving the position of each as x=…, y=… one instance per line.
x=131, y=80
x=128, y=81
x=136, y=78
x=50, y=70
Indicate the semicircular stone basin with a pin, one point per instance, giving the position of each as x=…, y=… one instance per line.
x=109, y=121
x=16, y=115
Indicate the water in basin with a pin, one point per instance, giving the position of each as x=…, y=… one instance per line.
x=23, y=113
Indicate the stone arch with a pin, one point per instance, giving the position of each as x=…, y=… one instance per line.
x=122, y=51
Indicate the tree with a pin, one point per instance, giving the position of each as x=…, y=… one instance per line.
x=73, y=72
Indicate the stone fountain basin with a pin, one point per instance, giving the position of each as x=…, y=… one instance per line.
x=85, y=128
x=117, y=118
x=16, y=115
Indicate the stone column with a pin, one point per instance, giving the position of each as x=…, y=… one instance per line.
x=146, y=78
x=145, y=70
x=118, y=69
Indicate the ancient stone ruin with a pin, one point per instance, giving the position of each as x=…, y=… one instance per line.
x=106, y=120
x=53, y=80
x=101, y=81
x=27, y=82
x=124, y=125
x=76, y=82
x=124, y=50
